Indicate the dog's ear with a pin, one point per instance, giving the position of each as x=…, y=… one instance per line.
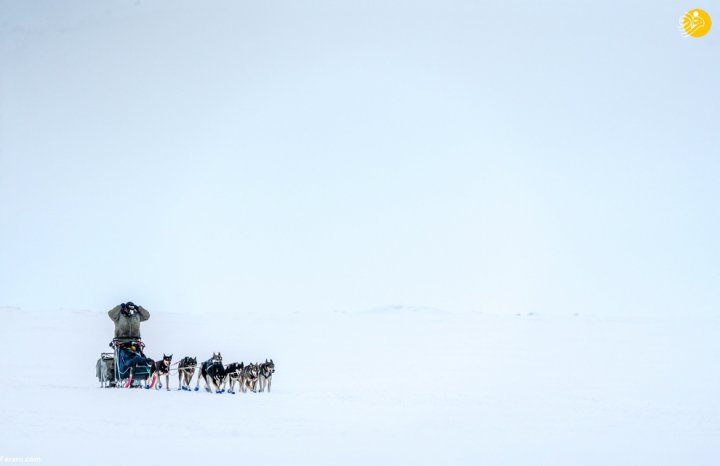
x=170, y=356
x=266, y=360
x=271, y=360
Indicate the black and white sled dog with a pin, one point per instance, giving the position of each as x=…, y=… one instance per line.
x=186, y=371
x=212, y=372
x=158, y=368
x=233, y=373
x=265, y=373
x=248, y=378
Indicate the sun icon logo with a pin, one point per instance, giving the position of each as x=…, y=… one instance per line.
x=695, y=23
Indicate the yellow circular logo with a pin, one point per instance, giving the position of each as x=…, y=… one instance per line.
x=696, y=23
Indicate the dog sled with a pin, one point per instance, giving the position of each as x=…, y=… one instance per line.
x=127, y=366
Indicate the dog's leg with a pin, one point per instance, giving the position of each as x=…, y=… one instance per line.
x=269, y=383
x=220, y=386
x=167, y=381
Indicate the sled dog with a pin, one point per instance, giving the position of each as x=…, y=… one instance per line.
x=186, y=371
x=233, y=374
x=158, y=368
x=212, y=372
x=248, y=378
x=265, y=373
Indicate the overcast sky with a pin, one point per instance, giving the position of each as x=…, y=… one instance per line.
x=502, y=156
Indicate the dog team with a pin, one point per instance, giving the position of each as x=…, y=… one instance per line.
x=255, y=377
x=127, y=318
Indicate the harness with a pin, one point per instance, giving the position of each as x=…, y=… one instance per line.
x=248, y=373
x=265, y=371
x=163, y=368
x=233, y=374
x=209, y=364
x=184, y=363
x=184, y=368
